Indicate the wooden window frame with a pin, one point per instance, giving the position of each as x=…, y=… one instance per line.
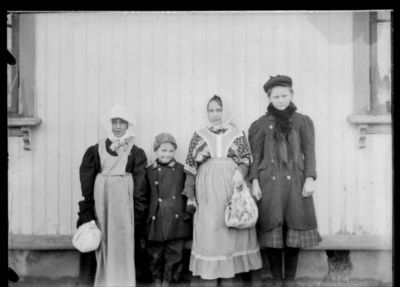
x=22, y=114
x=12, y=84
x=370, y=116
x=379, y=83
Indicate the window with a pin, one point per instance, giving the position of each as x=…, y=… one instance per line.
x=21, y=76
x=381, y=59
x=12, y=68
x=372, y=74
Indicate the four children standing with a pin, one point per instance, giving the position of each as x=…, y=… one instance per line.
x=123, y=195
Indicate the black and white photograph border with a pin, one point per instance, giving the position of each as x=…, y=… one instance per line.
x=67, y=69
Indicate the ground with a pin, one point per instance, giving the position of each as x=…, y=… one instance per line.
x=303, y=282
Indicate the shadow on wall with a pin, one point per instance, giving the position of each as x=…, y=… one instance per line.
x=333, y=34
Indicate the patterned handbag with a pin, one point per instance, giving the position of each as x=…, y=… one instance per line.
x=241, y=211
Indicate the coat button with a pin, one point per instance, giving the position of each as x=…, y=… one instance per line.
x=272, y=160
x=153, y=217
x=273, y=178
x=271, y=127
x=160, y=199
x=176, y=215
x=173, y=169
x=156, y=182
x=288, y=177
x=159, y=169
x=173, y=197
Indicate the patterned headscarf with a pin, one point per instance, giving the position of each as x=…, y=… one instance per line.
x=227, y=116
x=118, y=111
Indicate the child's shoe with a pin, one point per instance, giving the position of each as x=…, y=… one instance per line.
x=156, y=283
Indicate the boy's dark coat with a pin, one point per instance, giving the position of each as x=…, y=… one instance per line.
x=167, y=217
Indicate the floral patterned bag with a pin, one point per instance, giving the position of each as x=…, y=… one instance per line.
x=241, y=211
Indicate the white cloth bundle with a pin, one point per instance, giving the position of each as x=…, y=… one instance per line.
x=87, y=237
x=241, y=210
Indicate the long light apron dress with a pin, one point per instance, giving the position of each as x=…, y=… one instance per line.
x=113, y=195
x=219, y=251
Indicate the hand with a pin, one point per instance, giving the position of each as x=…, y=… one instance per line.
x=237, y=179
x=191, y=206
x=256, y=190
x=309, y=187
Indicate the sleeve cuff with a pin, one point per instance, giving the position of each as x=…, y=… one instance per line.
x=310, y=174
x=253, y=174
x=244, y=169
x=189, y=190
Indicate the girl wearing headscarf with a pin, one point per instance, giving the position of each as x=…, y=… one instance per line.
x=218, y=159
x=113, y=183
x=283, y=180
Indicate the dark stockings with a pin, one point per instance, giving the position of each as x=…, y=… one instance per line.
x=275, y=261
x=291, y=258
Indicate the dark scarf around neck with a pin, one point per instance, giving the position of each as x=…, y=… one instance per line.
x=282, y=117
x=286, y=148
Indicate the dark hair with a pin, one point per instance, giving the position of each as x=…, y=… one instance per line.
x=216, y=99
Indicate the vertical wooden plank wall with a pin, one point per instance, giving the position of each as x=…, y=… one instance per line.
x=163, y=67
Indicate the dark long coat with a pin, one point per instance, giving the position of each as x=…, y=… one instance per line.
x=281, y=188
x=167, y=217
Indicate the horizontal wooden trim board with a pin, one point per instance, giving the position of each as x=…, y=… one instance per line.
x=41, y=242
x=334, y=242
x=23, y=122
x=354, y=242
x=370, y=119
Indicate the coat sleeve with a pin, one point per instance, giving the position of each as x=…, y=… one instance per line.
x=140, y=185
x=189, y=187
x=146, y=198
x=190, y=168
x=241, y=154
x=88, y=171
x=256, y=141
x=307, y=134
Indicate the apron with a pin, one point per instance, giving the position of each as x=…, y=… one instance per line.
x=113, y=195
x=219, y=251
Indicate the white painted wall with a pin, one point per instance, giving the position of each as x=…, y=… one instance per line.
x=162, y=67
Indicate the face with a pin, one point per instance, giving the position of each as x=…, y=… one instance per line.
x=214, y=111
x=165, y=152
x=119, y=127
x=280, y=97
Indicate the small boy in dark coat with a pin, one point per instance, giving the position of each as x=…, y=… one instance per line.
x=168, y=223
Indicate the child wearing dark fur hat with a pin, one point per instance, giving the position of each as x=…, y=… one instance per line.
x=168, y=223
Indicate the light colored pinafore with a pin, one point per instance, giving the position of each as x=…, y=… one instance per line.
x=219, y=251
x=113, y=195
